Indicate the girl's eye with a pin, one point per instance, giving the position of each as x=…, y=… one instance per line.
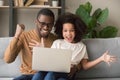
x=64, y=30
x=69, y=30
x=72, y=30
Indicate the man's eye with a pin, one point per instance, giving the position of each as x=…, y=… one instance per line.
x=49, y=23
x=43, y=23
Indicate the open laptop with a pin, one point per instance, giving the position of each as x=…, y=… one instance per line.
x=51, y=59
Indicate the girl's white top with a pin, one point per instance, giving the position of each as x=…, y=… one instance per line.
x=79, y=51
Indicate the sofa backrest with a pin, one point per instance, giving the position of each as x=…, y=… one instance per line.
x=8, y=70
x=95, y=48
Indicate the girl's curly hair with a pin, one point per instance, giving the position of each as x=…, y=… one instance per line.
x=79, y=26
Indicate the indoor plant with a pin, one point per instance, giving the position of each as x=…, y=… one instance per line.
x=94, y=21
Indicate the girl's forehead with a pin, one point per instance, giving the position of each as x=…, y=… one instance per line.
x=68, y=24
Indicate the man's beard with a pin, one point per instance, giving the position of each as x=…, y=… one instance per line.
x=43, y=35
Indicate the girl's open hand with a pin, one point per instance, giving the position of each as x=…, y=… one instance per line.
x=106, y=57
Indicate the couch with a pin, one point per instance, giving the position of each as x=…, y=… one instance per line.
x=8, y=71
x=95, y=48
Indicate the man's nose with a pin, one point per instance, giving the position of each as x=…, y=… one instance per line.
x=46, y=27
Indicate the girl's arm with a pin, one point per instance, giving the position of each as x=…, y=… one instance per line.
x=104, y=58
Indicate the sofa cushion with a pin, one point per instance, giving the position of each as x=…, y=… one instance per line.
x=95, y=48
x=101, y=79
x=6, y=78
x=8, y=70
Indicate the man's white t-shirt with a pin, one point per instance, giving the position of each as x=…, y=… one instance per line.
x=79, y=51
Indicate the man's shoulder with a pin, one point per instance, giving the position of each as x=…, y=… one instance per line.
x=27, y=34
x=30, y=32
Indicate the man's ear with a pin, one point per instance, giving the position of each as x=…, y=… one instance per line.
x=36, y=21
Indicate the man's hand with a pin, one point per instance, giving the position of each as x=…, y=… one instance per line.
x=35, y=43
x=19, y=29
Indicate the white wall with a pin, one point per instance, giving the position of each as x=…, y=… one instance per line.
x=27, y=16
x=112, y=5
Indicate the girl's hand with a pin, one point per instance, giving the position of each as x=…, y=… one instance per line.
x=72, y=71
x=108, y=58
x=20, y=28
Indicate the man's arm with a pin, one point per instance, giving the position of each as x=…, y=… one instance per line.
x=14, y=47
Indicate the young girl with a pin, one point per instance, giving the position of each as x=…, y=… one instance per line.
x=70, y=29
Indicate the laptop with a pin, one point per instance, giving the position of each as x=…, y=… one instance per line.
x=51, y=59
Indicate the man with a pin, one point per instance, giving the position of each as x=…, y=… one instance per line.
x=25, y=41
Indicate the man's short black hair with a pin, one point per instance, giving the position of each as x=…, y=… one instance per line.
x=46, y=12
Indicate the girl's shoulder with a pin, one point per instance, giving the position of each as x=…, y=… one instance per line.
x=58, y=41
x=81, y=43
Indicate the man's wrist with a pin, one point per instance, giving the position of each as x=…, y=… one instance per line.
x=16, y=37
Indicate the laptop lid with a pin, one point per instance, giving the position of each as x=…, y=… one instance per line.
x=51, y=59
